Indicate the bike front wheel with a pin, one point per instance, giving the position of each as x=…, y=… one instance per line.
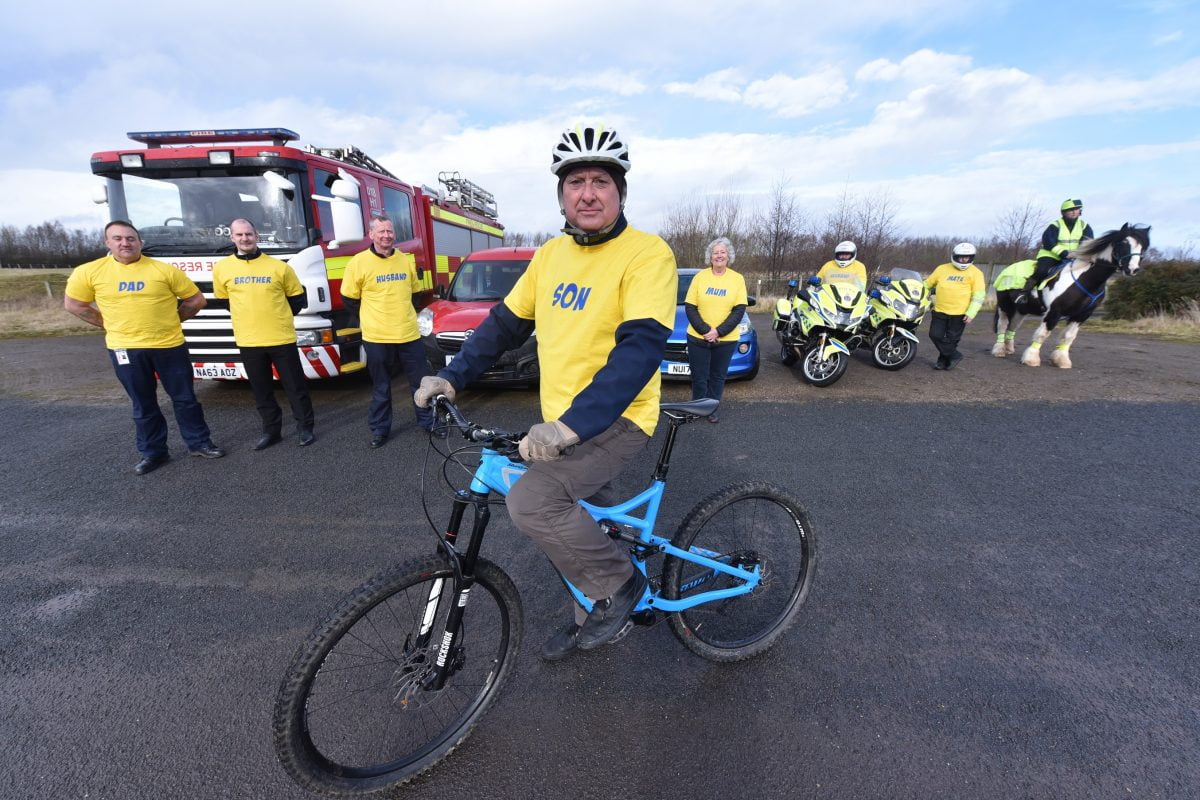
x=749, y=524
x=356, y=714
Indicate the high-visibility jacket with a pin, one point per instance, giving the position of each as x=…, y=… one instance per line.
x=1059, y=238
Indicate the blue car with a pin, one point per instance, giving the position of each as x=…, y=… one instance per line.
x=744, y=365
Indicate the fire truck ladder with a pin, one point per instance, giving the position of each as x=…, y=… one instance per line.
x=350, y=155
x=467, y=194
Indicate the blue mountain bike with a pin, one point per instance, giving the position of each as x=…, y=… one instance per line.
x=406, y=665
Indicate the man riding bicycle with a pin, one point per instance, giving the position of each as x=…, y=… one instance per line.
x=602, y=298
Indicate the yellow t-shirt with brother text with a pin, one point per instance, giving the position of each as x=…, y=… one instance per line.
x=139, y=301
x=578, y=296
x=714, y=296
x=384, y=287
x=257, y=289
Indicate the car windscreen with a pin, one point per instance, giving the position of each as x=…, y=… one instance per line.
x=685, y=281
x=478, y=281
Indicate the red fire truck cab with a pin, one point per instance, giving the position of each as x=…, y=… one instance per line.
x=311, y=207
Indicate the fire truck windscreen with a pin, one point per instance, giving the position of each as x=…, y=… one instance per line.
x=180, y=213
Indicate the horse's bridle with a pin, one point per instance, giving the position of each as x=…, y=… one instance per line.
x=1123, y=262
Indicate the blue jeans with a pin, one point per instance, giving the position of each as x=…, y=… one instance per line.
x=709, y=366
x=174, y=371
x=385, y=362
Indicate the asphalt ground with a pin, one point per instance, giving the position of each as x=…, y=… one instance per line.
x=1006, y=603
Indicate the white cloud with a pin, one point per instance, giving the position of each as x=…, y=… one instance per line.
x=1168, y=38
x=724, y=85
x=798, y=97
x=921, y=67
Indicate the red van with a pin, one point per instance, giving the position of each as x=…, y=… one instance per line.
x=482, y=280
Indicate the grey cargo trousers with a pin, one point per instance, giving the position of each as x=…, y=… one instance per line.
x=544, y=506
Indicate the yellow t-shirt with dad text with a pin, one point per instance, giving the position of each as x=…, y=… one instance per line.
x=139, y=301
x=714, y=296
x=384, y=286
x=578, y=296
x=257, y=289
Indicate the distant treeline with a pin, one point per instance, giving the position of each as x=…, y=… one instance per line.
x=49, y=245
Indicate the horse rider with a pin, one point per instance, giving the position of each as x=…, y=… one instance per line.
x=1061, y=236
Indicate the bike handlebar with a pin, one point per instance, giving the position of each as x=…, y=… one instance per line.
x=502, y=441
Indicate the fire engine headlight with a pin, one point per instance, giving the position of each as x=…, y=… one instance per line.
x=131, y=160
x=220, y=158
x=425, y=322
x=311, y=338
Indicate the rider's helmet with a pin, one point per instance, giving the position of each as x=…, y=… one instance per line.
x=1071, y=205
x=591, y=145
x=844, y=253
x=963, y=254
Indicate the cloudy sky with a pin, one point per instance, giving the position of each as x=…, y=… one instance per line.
x=959, y=110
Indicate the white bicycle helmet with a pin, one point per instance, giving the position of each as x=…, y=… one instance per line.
x=589, y=144
x=963, y=249
x=845, y=247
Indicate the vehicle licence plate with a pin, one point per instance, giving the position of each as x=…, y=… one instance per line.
x=215, y=371
x=679, y=369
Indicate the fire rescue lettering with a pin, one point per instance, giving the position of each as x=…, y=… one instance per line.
x=570, y=296
x=130, y=286
x=391, y=276
x=715, y=291
x=252, y=279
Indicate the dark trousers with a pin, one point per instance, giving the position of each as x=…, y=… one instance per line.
x=945, y=331
x=710, y=365
x=1045, y=266
x=286, y=358
x=384, y=363
x=174, y=370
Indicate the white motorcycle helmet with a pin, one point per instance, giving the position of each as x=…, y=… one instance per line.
x=844, y=253
x=963, y=254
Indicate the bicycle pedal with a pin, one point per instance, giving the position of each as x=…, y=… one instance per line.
x=646, y=617
x=621, y=634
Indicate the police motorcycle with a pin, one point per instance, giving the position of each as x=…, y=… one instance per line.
x=897, y=305
x=819, y=326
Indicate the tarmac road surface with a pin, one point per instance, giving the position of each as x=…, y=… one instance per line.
x=1007, y=602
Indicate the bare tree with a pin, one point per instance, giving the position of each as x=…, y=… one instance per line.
x=525, y=239
x=1016, y=234
x=689, y=226
x=876, y=231
x=778, y=234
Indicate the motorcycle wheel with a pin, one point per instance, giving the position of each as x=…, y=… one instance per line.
x=821, y=371
x=788, y=354
x=893, y=352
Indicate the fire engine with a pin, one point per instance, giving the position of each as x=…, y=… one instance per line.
x=311, y=207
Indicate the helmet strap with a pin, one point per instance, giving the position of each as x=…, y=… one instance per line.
x=590, y=238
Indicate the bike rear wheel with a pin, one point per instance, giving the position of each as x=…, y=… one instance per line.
x=352, y=716
x=751, y=523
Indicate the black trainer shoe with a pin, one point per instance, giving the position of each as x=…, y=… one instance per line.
x=306, y=438
x=954, y=359
x=609, y=620
x=209, y=450
x=147, y=465
x=266, y=440
x=378, y=440
x=561, y=644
